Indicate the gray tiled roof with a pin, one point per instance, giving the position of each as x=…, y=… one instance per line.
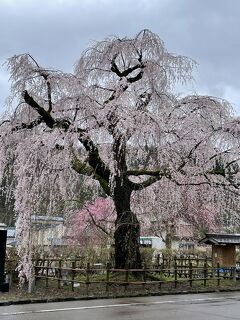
x=221, y=238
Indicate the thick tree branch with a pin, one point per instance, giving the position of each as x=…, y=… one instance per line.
x=94, y=159
x=29, y=125
x=83, y=168
x=49, y=96
x=136, y=78
x=128, y=71
x=45, y=75
x=46, y=116
x=142, y=185
x=101, y=171
x=154, y=176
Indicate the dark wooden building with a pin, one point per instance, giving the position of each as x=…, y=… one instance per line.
x=223, y=248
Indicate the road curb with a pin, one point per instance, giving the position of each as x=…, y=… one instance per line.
x=65, y=299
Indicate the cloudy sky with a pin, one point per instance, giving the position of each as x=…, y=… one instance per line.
x=55, y=32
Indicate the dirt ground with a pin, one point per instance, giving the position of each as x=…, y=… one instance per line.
x=112, y=290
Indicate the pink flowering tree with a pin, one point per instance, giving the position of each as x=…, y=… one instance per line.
x=93, y=224
x=116, y=121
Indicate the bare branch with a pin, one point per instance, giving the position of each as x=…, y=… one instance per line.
x=97, y=224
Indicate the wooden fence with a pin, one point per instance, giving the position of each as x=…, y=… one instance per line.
x=68, y=273
x=177, y=272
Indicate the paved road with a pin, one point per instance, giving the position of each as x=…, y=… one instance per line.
x=179, y=307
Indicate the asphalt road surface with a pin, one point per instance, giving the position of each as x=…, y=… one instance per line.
x=180, y=307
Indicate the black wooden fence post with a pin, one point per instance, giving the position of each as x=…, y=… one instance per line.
x=59, y=273
x=107, y=277
x=175, y=272
x=73, y=273
x=46, y=273
x=218, y=274
x=87, y=277
x=190, y=274
x=205, y=274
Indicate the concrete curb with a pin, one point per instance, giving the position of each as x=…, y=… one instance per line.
x=65, y=299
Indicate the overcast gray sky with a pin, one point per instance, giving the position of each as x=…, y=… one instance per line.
x=55, y=32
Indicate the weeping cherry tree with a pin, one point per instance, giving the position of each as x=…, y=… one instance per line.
x=117, y=121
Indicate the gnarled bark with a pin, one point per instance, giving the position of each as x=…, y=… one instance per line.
x=127, y=231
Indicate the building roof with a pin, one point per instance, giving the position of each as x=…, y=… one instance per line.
x=221, y=238
x=3, y=225
x=46, y=218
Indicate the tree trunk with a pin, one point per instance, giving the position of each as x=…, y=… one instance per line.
x=168, y=241
x=127, y=232
x=169, y=237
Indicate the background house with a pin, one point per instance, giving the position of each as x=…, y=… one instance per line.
x=182, y=237
x=47, y=230
x=11, y=232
